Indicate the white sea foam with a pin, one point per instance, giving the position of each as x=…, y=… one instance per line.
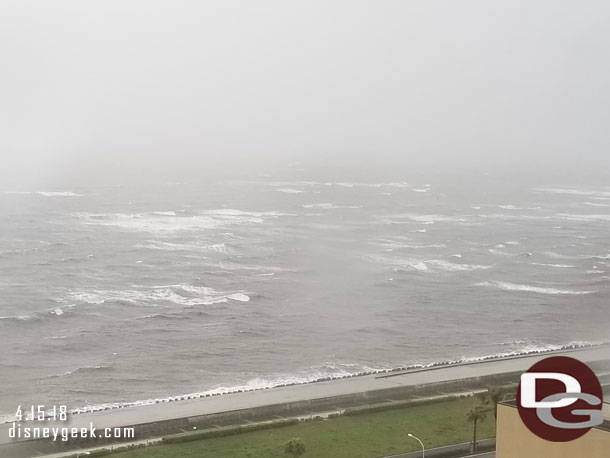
x=59, y=311
x=59, y=194
x=558, y=266
x=454, y=267
x=576, y=192
x=603, y=256
x=422, y=190
x=289, y=190
x=394, y=184
x=155, y=223
x=506, y=286
x=498, y=252
x=399, y=265
x=190, y=247
x=195, y=295
x=431, y=218
x=47, y=193
x=586, y=218
x=238, y=297
x=329, y=206
x=18, y=317
x=433, y=265
x=420, y=230
x=555, y=255
x=419, y=266
x=398, y=244
x=595, y=204
x=233, y=213
x=509, y=207
x=168, y=213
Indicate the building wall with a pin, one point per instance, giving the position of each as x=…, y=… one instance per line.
x=514, y=440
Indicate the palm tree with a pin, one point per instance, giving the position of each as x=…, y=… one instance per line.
x=474, y=415
x=494, y=395
x=294, y=447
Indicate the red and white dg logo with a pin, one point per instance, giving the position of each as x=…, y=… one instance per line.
x=560, y=399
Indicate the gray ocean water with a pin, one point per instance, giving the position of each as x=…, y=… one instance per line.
x=127, y=293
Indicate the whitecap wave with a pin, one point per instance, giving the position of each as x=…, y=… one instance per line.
x=597, y=204
x=289, y=190
x=190, y=247
x=156, y=223
x=454, y=267
x=434, y=218
x=47, y=193
x=329, y=206
x=499, y=252
x=506, y=286
x=19, y=317
x=393, y=184
x=558, y=266
x=576, y=192
x=584, y=218
x=398, y=244
x=555, y=255
x=433, y=265
x=414, y=265
x=181, y=294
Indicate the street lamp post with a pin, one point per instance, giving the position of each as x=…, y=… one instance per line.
x=423, y=449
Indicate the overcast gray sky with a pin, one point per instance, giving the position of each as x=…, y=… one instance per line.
x=94, y=87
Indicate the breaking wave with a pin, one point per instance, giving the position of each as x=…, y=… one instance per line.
x=186, y=295
x=505, y=286
x=156, y=222
x=189, y=247
x=329, y=206
x=47, y=193
x=558, y=266
x=576, y=192
x=581, y=217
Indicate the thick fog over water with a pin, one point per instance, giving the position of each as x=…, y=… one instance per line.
x=130, y=90
x=202, y=196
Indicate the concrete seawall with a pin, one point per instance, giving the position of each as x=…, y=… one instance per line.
x=166, y=418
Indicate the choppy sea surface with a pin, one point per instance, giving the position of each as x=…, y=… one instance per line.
x=126, y=294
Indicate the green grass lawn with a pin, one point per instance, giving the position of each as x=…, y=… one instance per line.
x=360, y=436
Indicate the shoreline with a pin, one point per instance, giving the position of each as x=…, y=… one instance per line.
x=381, y=373
x=156, y=420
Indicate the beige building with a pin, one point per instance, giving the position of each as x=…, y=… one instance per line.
x=514, y=440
